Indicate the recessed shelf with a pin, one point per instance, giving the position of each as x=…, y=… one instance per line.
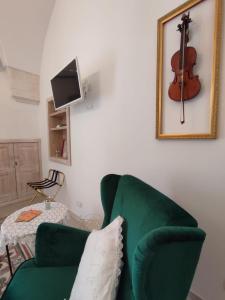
x=59, y=128
x=61, y=160
x=58, y=113
x=59, y=134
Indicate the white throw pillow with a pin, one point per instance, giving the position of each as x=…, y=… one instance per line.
x=100, y=266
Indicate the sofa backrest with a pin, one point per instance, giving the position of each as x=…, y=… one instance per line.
x=144, y=209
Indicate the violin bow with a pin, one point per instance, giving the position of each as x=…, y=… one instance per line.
x=184, y=39
x=182, y=114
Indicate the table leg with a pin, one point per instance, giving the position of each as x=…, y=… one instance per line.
x=9, y=261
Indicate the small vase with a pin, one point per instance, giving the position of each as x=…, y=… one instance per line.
x=47, y=204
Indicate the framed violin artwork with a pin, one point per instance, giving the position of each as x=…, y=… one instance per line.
x=188, y=63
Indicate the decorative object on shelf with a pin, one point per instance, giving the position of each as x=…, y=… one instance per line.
x=59, y=134
x=60, y=125
x=57, y=153
x=62, y=148
x=24, y=86
x=64, y=154
x=199, y=120
x=185, y=85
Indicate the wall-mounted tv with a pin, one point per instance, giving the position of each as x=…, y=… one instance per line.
x=66, y=86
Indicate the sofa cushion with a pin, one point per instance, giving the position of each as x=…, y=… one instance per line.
x=100, y=266
x=45, y=283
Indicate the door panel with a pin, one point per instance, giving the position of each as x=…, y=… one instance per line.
x=8, y=190
x=27, y=166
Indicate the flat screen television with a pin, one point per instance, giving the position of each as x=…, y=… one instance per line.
x=66, y=86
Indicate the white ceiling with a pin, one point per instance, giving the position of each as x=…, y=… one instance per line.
x=23, y=25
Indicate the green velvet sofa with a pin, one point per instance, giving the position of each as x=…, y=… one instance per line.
x=162, y=245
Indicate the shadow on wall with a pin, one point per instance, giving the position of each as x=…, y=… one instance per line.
x=63, y=195
x=92, y=97
x=100, y=85
x=92, y=100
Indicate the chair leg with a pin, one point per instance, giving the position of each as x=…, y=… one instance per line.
x=36, y=194
x=55, y=194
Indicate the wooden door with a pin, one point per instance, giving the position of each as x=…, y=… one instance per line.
x=8, y=190
x=27, y=161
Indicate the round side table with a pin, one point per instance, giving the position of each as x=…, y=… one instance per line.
x=13, y=232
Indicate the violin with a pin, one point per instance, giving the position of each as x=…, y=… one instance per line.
x=185, y=85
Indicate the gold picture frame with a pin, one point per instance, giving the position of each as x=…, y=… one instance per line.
x=211, y=132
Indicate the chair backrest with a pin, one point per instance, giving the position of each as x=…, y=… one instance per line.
x=152, y=222
x=56, y=176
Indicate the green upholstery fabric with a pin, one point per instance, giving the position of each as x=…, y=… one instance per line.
x=41, y=283
x=164, y=262
x=162, y=245
x=143, y=209
x=109, y=186
x=59, y=245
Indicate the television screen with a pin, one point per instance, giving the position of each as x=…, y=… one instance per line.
x=66, y=85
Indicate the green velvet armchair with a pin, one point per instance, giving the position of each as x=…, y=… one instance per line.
x=162, y=245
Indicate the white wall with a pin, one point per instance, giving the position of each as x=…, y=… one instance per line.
x=17, y=120
x=23, y=25
x=113, y=132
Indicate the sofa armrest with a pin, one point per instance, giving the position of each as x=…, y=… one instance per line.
x=59, y=245
x=164, y=262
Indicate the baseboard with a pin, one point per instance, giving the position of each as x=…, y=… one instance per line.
x=94, y=222
x=193, y=296
x=15, y=201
